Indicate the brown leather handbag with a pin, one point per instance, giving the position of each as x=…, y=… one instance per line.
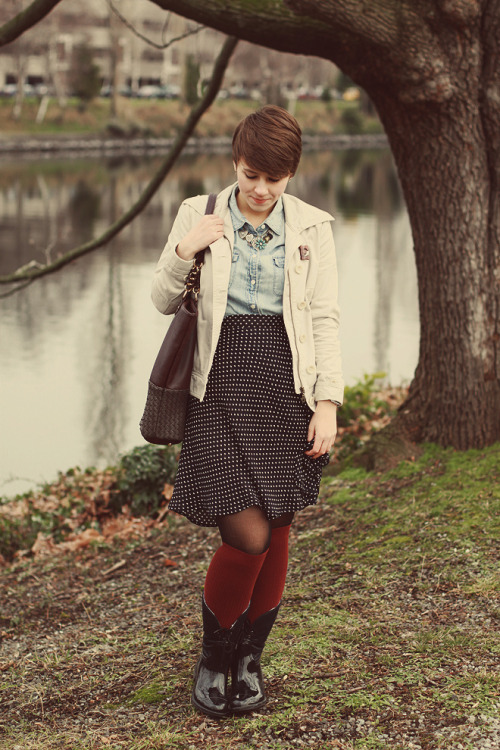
x=164, y=416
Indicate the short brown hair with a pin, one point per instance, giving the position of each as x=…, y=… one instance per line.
x=270, y=141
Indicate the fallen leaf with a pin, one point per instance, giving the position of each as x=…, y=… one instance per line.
x=43, y=545
x=167, y=491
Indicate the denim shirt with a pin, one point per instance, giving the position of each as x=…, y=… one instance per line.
x=257, y=272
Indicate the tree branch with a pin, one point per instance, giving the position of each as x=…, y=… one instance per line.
x=347, y=32
x=367, y=39
x=298, y=25
x=24, y=20
x=268, y=22
x=35, y=271
x=374, y=20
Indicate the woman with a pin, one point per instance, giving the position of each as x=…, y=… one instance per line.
x=265, y=388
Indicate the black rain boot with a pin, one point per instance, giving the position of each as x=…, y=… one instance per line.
x=247, y=693
x=210, y=678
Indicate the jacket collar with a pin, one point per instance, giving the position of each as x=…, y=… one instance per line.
x=298, y=214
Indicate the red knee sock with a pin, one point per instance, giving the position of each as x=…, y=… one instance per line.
x=230, y=581
x=270, y=584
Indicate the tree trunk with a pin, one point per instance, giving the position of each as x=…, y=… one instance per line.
x=114, y=63
x=455, y=397
x=446, y=150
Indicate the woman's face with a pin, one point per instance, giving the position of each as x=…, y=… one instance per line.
x=258, y=191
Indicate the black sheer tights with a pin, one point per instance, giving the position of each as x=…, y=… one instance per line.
x=249, y=530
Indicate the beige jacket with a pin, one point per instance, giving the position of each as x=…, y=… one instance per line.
x=310, y=309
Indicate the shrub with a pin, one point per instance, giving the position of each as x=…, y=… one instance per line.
x=19, y=531
x=191, y=80
x=142, y=476
x=84, y=76
x=351, y=121
x=16, y=534
x=360, y=400
x=366, y=408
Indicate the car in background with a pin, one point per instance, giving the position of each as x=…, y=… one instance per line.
x=29, y=90
x=10, y=89
x=170, y=91
x=154, y=91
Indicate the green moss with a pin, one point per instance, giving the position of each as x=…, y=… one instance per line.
x=155, y=692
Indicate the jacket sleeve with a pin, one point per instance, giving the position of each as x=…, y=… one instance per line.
x=171, y=270
x=325, y=319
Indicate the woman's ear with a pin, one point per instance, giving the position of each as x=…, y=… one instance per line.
x=235, y=165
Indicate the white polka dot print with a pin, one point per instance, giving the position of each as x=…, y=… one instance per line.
x=244, y=443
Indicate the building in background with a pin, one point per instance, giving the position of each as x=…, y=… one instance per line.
x=42, y=59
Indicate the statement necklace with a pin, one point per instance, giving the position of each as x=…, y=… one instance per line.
x=256, y=241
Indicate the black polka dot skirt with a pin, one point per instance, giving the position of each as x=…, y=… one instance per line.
x=244, y=443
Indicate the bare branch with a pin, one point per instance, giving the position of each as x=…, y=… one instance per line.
x=24, y=20
x=16, y=289
x=35, y=271
x=146, y=39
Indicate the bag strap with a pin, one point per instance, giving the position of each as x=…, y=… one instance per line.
x=209, y=210
x=192, y=283
x=211, y=203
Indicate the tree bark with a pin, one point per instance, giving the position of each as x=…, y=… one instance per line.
x=454, y=398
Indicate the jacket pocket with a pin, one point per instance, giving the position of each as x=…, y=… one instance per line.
x=234, y=266
x=279, y=272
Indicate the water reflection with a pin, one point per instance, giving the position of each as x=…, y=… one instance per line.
x=77, y=347
x=84, y=206
x=103, y=382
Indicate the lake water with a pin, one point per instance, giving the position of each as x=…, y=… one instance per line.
x=77, y=347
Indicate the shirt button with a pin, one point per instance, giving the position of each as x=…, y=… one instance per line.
x=301, y=305
x=253, y=281
x=302, y=338
x=252, y=307
x=299, y=269
x=310, y=369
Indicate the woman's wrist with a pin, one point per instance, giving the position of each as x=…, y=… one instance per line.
x=184, y=252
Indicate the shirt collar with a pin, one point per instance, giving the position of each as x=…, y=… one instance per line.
x=274, y=221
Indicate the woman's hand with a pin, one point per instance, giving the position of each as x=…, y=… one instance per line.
x=209, y=229
x=322, y=429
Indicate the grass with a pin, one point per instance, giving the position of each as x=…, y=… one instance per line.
x=387, y=638
x=164, y=118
